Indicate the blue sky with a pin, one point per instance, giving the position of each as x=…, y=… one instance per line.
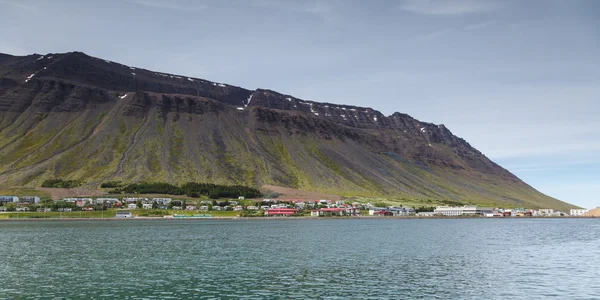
x=519, y=80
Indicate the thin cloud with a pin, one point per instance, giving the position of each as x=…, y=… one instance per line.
x=20, y=5
x=170, y=4
x=319, y=8
x=446, y=7
x=478, y=26
x=434, y=35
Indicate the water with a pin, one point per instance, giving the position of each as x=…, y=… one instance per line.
x=334, y=259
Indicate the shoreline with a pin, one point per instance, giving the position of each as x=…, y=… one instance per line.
x=280, y=218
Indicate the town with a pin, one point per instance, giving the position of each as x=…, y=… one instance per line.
x=130, y=207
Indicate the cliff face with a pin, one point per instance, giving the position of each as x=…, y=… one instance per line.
x=78, y=117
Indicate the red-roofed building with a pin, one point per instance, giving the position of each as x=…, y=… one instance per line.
x=383, y=213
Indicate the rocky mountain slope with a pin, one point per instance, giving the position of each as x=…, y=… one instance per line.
x=73, y=116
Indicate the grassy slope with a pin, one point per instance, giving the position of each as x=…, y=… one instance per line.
x=231, y=147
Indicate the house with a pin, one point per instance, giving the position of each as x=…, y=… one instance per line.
x=146, y=201
x=190, y=207
x=22, y=208
x=204, y=207
x=106, y=201
x=123, y=214
x=238, y=208
x=176, y=207
x=2, y=208
x=6, y=199
x=134, y=200
x=281, y=212
x=233, y=202
x=66, y=209
x=577, y=212
x=161, y=201
x=80, y=203
x=264, y=207
x=132, y=206
x=462, y=210
x=29, y=199
x=382, y=213
x=252, y=207
x=241, y=198
x=216, y=207
x=88, y=208
x=331, y=211
x=147, y=205
x=74, y=200
x=426, y=214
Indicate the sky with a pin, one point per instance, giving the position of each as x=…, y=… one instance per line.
x=519, y=80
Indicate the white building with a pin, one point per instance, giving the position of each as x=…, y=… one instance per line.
x=106, y=200
x=30, y=199
x=161, y=201
x=462, y=210
x=578, y=212
x=123, y=214
x=86, y=200
x=147, y=205
x=6, y=199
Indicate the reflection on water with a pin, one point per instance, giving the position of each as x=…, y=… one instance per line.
x=449, y=259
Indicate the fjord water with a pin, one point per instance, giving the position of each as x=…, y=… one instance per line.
x=325, y=258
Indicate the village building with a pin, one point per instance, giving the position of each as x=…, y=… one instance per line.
x=462, y=210
x=281, y=212
x=123, y=214
x=426, y=214
x=147, y=205
x=335, y=211
x=162, y=201
x=7, y=199
x=73, y=200
x=132, y=206
x=30, y=199
x=577, y=212
x=391, y=211
x=106, y=201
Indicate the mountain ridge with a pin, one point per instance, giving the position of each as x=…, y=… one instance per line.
x=109, y=115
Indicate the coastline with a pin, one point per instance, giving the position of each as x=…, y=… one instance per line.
x=281, y=218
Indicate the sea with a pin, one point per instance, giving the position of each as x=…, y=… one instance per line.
x=508, y=258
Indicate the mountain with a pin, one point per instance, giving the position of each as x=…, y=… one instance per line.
x=72, y=116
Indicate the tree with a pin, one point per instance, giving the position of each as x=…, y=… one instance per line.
x=11, y=206
x=139, y=203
